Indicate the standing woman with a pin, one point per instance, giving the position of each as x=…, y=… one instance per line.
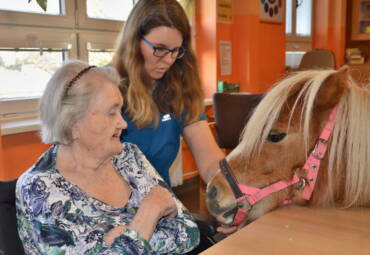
x=161, y=88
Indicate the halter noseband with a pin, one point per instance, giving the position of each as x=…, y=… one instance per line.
x=250, y=195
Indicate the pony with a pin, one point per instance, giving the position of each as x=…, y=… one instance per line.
x=281, y=135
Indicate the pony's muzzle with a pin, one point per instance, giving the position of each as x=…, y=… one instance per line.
x=230, y=213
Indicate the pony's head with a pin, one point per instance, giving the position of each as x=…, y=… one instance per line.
x=283, y=131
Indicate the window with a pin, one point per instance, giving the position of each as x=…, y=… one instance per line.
x=28, y=57
x=37, y=43
x=109, y=9
x=100, y=57
x=103, y=14
x=298, y=28
x=97, y=47
x=25, y=71
x=303, y=18
x=59, y=13
x=54, y=7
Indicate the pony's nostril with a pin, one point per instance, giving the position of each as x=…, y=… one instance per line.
x=212, y=194
x=230, y=212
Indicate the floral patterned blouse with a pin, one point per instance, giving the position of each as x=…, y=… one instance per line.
x=57, y=217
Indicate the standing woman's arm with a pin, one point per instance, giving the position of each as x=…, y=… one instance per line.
x=204, y=148
x=207, y=155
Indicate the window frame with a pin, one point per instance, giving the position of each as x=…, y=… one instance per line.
x=21, y=109
x=84, y=22
x=296, y=42
x=96, y=40
x=69, y=32
x=66, y=19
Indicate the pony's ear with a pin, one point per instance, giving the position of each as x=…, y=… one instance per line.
x=332, y=89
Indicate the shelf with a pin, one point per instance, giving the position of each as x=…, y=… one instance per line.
x=366, y=64
x=360, y=8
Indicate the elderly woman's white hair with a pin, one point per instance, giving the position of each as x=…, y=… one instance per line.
x=67, y=96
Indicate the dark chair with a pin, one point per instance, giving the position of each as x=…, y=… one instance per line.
x=317, y=59
x=10, y=244
x=232, y=111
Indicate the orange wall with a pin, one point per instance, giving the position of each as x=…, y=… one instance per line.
x=258, y=49
x=329, y=28
x=206, y=44
x=19, y=152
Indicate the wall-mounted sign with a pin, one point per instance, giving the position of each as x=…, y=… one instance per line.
x=225, y=11
x=225, y=58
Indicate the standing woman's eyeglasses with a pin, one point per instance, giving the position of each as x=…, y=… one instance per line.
x=161, y=52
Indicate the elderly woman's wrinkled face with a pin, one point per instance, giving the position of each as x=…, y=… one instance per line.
x=160, y=37
x=100, y=129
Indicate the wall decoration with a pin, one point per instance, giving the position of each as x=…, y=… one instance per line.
x=225, y=58
x=225, y=11
x=272, y=10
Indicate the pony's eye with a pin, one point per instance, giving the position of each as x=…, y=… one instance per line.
x=275, y=136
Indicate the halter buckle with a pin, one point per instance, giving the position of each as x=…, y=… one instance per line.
x=301, y=184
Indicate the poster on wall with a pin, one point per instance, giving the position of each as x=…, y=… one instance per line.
x=225, y=58
x=224, y=11
x=272, y=10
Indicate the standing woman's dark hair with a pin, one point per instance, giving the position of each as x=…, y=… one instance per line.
x=179, y=90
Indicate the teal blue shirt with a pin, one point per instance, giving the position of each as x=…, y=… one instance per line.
x=160, y=145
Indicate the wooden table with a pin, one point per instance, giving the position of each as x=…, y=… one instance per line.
x=301, y=231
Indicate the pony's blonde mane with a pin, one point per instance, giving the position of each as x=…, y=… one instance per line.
x=349, y=153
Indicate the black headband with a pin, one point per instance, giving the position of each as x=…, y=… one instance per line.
x=78, y=76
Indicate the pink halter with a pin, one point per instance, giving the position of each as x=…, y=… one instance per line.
x=252, y=195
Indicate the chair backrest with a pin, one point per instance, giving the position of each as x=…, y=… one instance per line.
x=232, y=111
x=10, y=244
x=317, y=59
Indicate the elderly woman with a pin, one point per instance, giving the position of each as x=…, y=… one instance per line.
x=89, y=193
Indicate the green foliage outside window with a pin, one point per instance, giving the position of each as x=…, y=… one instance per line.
x=42, y=3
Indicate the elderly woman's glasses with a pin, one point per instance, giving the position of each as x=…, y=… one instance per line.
x=161, y=52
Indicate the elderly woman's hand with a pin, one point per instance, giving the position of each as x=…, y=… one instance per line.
x=113, y=233
x=159, y=200
x=157, y=204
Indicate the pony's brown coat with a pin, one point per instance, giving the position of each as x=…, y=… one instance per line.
x=300, y=105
